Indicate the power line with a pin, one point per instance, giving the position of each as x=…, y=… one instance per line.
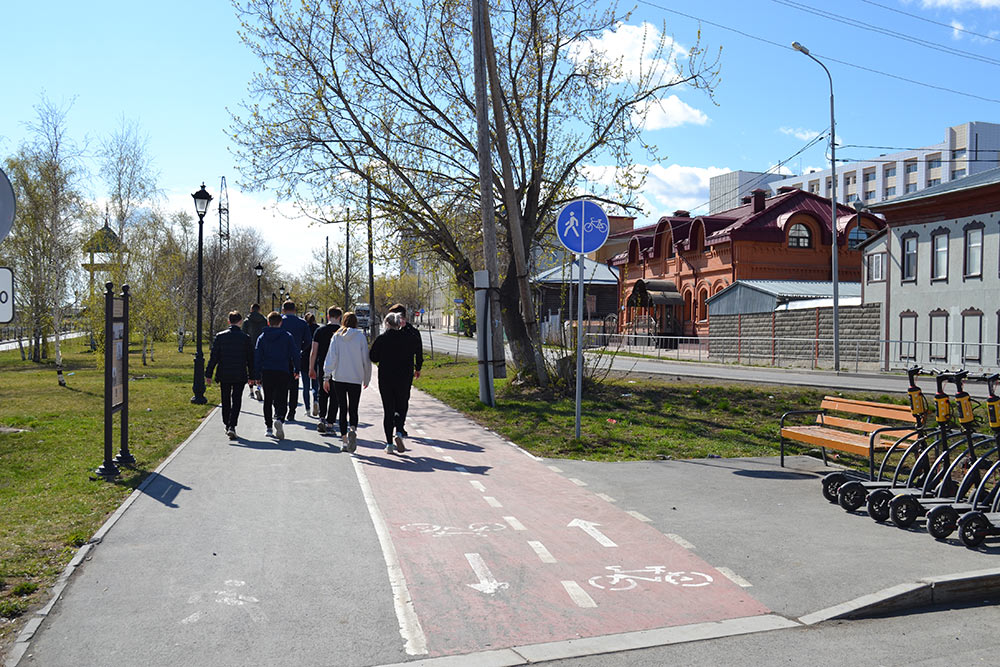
x=830, y=59
x=923, y=18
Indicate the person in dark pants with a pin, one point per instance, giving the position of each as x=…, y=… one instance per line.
x=394, y=356
x=321, y=344
x=416, y=349
x=307, y=377
x=253, y=325
x=297, y=326
x=276, y=361
x=232, y=361
x=348, y=370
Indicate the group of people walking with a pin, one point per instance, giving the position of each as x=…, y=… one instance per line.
x=333, y=360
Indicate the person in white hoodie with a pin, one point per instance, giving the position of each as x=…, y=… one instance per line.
x=346, y=370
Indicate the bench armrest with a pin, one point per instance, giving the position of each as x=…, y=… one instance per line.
x=799, y=412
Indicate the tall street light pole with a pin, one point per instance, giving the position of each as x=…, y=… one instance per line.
x=835, y=248
x=201, y=200
x=259, y=270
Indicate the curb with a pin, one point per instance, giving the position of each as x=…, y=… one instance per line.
x=23, y=641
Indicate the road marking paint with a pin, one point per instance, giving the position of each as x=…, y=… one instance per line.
x=605, y=496
x=554, y=469
x=462, y=470
x=590, y=528
x=735, y=578
x=543, y=554
x=449, y=459
x=415, y=642
x=487, y=582
x=680, y=540
x=640, y=517
x=421, y=431
x=492, y=502
x=578, y=482
x=193, y=618
x=514, y=523
x=578, y=595
x=438, y=449
x=477, y=485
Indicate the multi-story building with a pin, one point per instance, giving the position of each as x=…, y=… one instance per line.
x=969, y=148
x=727, y=190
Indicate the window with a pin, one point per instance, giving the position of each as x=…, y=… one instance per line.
x=958, y=154
x=972, y=335
x=939, y=335
x=876, y=267
x=911, y=168
x=934, y=181
x=703, y=305
x=957, y=174
x=939, y=256
x=890, y=191
x=909, y=258
x=856, y=237
x=934, y=164
x=908, y=335
x=869, y=194
x=869, y=177
x=973, y=264
x=799, y=237
x=890, y=172
x=911, y=187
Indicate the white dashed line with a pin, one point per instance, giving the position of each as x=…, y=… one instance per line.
x=578, y=482
x=543, y=553
x=735, y=578
x=578, y=595
x=640, y=517
x=680, y=540
x=492, y=502
x=514, y=523
x=605, y=496
x=554, y=469
x=477, y=485
x=449, y=459
x=438, y=449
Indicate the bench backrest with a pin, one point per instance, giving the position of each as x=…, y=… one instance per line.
x=900, y=413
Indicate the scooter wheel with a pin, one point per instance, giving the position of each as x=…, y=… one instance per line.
x=831, y=483
x=942, y=521
x=972, y=529
x=903, y=510
x=851, y=496
x=878, y=504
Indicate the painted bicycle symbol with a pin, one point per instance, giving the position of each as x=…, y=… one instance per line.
x=595, y=223
x=448, y=531
x=624, y=580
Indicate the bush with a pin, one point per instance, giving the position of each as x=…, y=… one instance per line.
x=12, y=608
x=24, y=588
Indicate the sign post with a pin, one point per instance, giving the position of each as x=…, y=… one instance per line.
x=458, y=302
x=116, y=337
x=582, y=226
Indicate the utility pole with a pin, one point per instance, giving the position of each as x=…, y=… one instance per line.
x=373, y=322
x=347, y=263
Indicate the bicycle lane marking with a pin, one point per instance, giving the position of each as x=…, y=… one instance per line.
x=527, y=598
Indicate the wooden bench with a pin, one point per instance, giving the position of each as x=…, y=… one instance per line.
x=838, y=427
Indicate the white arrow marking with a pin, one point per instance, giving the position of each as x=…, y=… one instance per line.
x=487, y=582
x=590, y=528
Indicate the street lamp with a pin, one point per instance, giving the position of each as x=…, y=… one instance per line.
x=201, y=200
x=259, y=270
x=834, y=247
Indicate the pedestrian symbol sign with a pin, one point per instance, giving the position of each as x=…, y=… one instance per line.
x=582, y=226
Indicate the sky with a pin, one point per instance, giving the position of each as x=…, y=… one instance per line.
x=902, y=70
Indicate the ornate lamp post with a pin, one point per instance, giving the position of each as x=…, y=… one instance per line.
x=259, y=270
x=201, y=200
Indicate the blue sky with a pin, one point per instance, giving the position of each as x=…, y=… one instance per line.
x=176, y=67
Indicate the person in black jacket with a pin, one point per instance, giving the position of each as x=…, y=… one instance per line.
x=232, y=361
x=253, y=326
x=393, y=352
x=415, y=348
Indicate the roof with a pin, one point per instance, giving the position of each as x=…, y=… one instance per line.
x=595, y=273
x=103, y=240
x=798, y=289
x=988, y=177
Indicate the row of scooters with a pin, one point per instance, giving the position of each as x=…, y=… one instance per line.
x=941, y=468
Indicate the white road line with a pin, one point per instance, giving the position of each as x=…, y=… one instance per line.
x=578, y=482
x=477, y=485
x=438, y=449
x=514, y=523
x=415, y=642
x=578, y=595
x=605, y=496
x=462, y=470
x=640, y=517
x=492, y=502
x=449, y=459
x=554, y=469
x=543, y=553
x=735, y=578
x=680, y=540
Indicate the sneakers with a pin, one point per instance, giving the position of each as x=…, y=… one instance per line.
x=402, y=432
x=352, y=441
x=291, y=417
x=279, y=429
x=399, y=442
x=231, y=432
x=270, y=432
x=388, y=449
x=321, y=428
x=315, y=410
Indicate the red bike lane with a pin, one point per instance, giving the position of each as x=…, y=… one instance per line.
x=497, y=550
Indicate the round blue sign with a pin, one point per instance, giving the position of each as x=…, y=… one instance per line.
x=582, y=226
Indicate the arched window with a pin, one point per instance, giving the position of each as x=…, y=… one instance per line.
x=703, y=304
x=856, y=237
x=799, y=237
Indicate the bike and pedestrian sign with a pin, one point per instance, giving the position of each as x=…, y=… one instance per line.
x=6, y=206
x=582, y=226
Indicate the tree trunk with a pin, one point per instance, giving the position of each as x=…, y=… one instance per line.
x=57, y=325
x=521, y=351
x=145, y=339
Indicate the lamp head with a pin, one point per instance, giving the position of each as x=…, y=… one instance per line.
x=201, y=199
x=799, y=47
x=259, y=270
x=859, y=205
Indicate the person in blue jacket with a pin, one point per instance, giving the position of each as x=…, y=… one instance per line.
x=302, y=336
x=276, y=363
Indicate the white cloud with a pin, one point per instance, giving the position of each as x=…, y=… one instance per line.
x=799, y=133
x=960, y=5
x=783, y=170
x=957, y=28
x=667, y=112
x=632, y=48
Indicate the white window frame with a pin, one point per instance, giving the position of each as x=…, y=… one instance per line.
x=937, y=329
x=972, y=337
x=939, y=256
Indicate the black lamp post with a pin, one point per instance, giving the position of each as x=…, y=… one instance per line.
x=272, y=300
x=201, y=200
x=259, y=270
x=281, y=295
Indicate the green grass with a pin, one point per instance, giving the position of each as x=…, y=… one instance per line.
x=51, y=506
x=628, y=419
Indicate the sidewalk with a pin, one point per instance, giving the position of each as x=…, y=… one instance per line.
x=263, y=552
